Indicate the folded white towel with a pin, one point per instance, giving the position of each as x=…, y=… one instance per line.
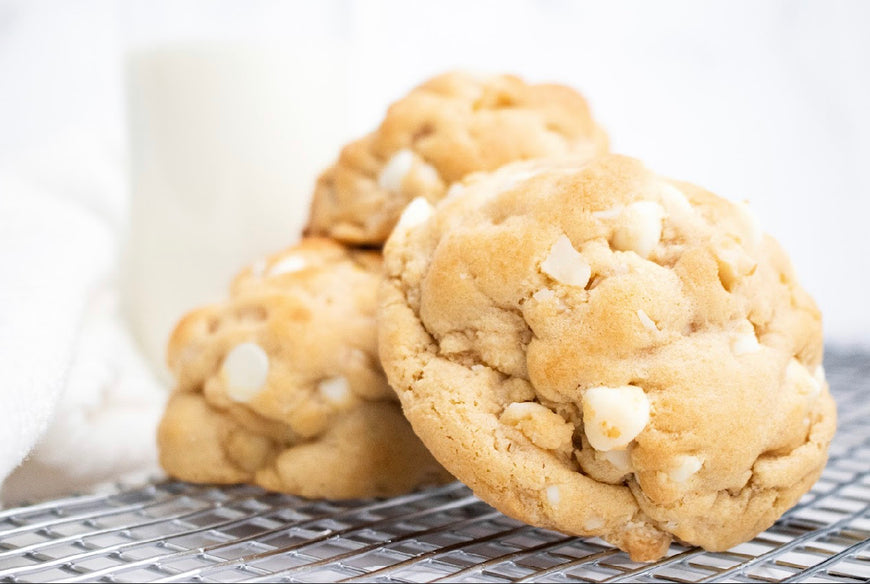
x=71, y=380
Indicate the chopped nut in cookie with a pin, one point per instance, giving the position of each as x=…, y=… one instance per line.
x=565, y=264
x=640, y=228
x=684, y=467
x=734, y=262
x=646, y=321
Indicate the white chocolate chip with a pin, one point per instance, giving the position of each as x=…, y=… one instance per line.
x=614, y=416
x=335, y=389
x=640, y=228
x=553, y=495
x=288, y=265
x=427, y=173
x=543, y=427
x=620, y=459
x=417, y=212
x=684, y=467
x=565, y=264
x=798, y=376
x=674, y=199
x=646, y=321
x=244, y=371
x=395, y=171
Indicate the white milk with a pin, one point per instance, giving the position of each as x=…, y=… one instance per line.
x=226, y=141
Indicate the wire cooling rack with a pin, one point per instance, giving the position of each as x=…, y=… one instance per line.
x=178, y=532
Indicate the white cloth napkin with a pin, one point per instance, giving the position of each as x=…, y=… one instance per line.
x=78, y=405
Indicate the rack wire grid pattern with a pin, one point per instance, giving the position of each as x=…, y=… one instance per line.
x=176, y=532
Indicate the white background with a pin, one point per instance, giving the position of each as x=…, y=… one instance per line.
x=766, y=101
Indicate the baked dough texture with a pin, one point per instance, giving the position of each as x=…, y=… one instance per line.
x=281, y=386
x=446, y=128
x=606, y=352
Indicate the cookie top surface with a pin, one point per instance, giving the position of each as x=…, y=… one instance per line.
x=281, y=384
x=446, y=128
x=600, y=350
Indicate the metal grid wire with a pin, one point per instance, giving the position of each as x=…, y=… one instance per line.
x=175, y=532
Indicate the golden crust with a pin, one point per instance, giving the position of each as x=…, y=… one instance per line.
x=451, y=125
x=311, y=309
x=698, y=309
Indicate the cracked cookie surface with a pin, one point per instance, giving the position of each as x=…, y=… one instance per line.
x=446, y=128
x=281, y=385
x=603, y=351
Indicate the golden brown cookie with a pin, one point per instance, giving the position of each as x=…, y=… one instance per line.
x=281, y=385
x=603, y=351
x=446, y=128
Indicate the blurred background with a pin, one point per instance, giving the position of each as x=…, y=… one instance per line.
x=106, y=105
x=764, y=101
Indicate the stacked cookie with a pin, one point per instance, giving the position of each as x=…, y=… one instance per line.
x=281, y=385
x=589, y=346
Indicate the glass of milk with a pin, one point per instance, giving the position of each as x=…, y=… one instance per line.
x=233, y=110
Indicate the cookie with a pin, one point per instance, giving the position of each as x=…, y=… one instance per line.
x=281, y=385
x=606, y=352
x=446, y=128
